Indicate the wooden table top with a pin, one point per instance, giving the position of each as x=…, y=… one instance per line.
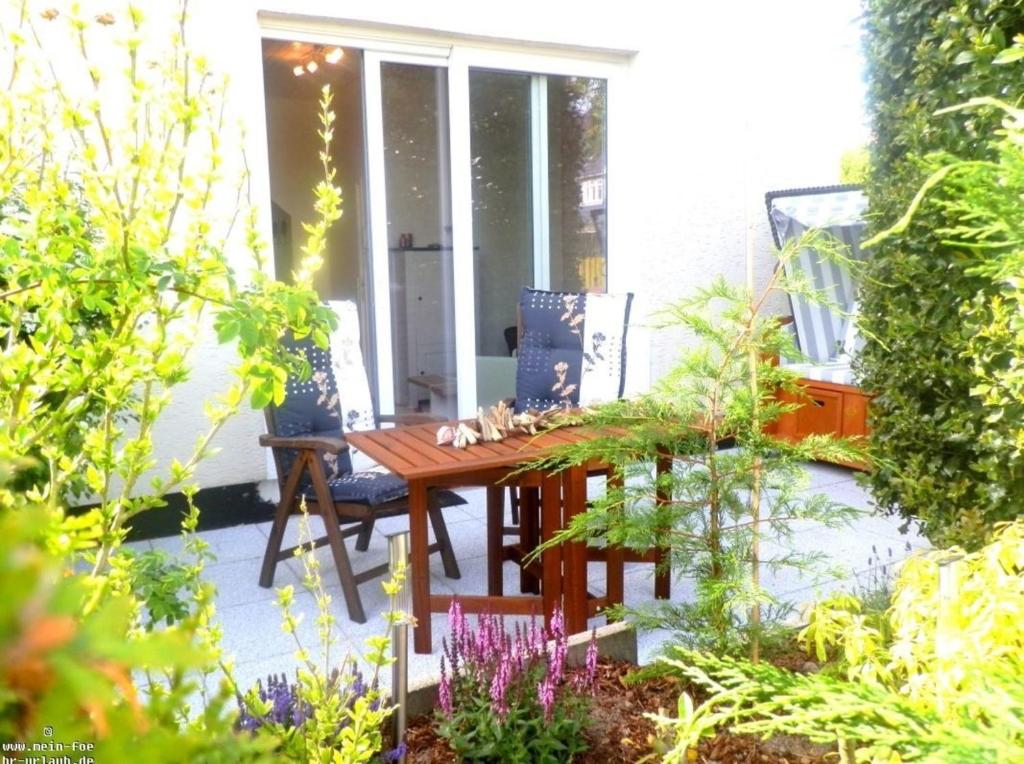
x=412, y=452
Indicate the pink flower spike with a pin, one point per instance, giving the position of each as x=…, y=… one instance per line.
x=457, y=622
x=557, y=624
x=591, y=675
x=444, y=692
x=499, y=688
x=546, y=696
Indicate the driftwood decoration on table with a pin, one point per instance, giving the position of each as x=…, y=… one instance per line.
x=497, y=424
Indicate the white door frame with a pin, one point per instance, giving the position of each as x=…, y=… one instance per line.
x=462, y=232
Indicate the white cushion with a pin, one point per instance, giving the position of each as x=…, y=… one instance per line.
x=837, y=372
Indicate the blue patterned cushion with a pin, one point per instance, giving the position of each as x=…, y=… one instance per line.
x=375, y=488
x=311, y=407
x=366, y=488
x=550, y=354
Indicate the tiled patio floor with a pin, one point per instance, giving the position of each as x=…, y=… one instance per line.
x=251, y=619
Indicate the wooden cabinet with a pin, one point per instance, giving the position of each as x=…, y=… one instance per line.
x=826, y=409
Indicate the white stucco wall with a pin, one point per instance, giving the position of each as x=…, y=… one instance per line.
x=720, y=102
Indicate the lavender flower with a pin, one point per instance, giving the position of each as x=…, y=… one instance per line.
x=288, y=707
x=396, y=753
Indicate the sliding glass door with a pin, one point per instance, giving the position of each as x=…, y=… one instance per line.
x=463, y=183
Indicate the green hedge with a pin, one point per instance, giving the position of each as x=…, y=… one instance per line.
x=935, y=461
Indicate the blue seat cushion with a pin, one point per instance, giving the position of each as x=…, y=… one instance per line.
x=375, y=488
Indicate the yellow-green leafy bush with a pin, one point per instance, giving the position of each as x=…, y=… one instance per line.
x=944, y=681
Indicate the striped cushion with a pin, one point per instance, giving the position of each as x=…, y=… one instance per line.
x=819, y=328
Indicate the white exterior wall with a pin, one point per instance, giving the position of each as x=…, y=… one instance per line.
x=705, y=118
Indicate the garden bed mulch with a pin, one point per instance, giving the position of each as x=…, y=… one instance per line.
x=621, y=733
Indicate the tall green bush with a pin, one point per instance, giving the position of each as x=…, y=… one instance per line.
x=724, y=515
x=934, y=458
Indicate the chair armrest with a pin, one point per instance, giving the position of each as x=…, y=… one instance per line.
x=325, y=443
x=407, y=420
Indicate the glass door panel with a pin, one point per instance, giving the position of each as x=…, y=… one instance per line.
x=414, y=104
x=577, y=182
x=503, y=224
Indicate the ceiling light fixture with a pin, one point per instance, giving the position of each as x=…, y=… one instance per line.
x=327, y=55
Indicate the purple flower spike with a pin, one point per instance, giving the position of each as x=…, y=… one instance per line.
x=488, y=669
x=556, y=666
x=592, y=661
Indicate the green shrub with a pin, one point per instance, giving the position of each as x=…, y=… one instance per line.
x=854, y=165
x=331, y=712
x=935, y=461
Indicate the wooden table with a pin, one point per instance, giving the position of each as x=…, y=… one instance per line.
x=412, y=454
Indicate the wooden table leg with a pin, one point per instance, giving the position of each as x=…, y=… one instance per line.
x=662, y=562
x=495, y=523
x=529, y=535
x=574, y=553
x=615, y=557
x=419, y=566
x=551, y=559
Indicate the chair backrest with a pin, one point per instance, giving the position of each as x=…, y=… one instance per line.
x=309, y=407
x=572, y=348
x=839, y=210
x=334, y=400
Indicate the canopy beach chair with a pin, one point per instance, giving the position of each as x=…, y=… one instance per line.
x=826, y=334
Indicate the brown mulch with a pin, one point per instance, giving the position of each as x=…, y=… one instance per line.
x=620, y=733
